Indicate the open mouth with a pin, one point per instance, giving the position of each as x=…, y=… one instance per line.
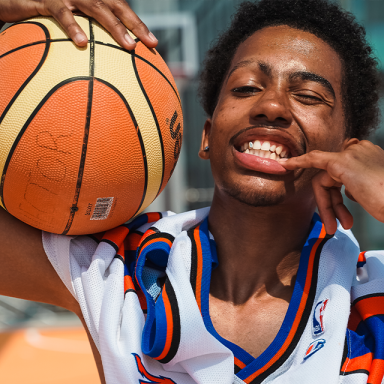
x=265, y=149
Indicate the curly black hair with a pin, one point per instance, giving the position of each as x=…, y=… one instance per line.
x=339, y=29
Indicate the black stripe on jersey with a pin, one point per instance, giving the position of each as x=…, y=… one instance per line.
x=367, y=297
x=158, y=235
x=110, y=242
x=120, y=258
x=237, y=369
x=356, y=371
x=154, y=118
x=130, y=290
x=193, y=275
x=304, y=318
x=30, y=119
x=144, y=156
x=80, y=174
x=141, y=58
x=176, y=323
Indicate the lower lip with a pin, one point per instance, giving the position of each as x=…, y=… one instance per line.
x=259, y=164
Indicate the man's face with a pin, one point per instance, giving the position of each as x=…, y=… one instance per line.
x=283, y=89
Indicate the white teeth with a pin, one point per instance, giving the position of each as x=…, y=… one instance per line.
x=257, y=144
x=279, y=149
x=250, y=144
x=266, y=145
x=246, y=151
x=273, y=148
x=283, y=154
x=273, y=156
x=267, y=154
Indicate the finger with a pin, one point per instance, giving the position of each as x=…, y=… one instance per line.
x=341, y=211
x=324, y=201
x=350, y=197
x=129, y=18
x=313, y=159
x=103, y=14
x=66, y=19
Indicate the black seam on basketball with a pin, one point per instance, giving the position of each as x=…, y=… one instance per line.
x=31, y=45
x=138, y=135
x=80, y=174
x=12, y=102
x=154, y=118
x=31, y=117
x=141, y=58
x=303, y=321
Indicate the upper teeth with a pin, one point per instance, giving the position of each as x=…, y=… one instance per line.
x=264, y=150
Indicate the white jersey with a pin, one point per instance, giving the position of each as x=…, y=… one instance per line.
x=143, y=289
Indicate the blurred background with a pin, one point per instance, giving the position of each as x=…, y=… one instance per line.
x=42, y=344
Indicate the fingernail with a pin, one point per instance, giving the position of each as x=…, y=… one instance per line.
x=79, y=38
x=152, y=37
x=129, y=39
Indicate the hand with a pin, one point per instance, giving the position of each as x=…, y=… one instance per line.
x=114, y=15
x=360, y=168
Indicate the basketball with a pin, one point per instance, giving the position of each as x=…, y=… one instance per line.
x=89, y=136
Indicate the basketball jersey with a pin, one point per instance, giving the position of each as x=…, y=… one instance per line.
x=143, y=289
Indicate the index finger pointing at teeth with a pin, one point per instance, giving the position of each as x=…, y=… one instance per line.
x=314, y=159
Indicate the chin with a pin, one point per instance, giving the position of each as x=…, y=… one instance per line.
x=256, y=198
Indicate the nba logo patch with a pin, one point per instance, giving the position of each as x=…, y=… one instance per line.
x=318, y=318
x=314, y=347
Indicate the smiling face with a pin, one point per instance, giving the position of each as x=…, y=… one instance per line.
x=281, y=98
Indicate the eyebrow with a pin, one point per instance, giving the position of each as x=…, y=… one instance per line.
x=309, y=76
x=301, y=75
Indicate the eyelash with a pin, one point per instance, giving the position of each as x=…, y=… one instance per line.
x=245, y=89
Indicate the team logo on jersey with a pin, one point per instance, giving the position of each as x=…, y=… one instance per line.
x=150, y=379
x=314, y=347
x=318, y=318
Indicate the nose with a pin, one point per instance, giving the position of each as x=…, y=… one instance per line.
x=272, y=108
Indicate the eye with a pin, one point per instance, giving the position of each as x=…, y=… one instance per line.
x=245, y=90
x=309, y=99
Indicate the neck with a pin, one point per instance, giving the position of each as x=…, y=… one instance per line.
x=258, y=247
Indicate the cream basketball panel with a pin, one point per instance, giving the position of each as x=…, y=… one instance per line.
x=131, y=90
x=71, y=65
x=55, y=29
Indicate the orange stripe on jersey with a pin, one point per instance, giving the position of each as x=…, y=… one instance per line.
x=147, y=233
x=157, y=239
x=239, y=363
x=121, y=252
x=116, y=235
x=128, y=283
x=299, y=311
x=142, y=300
x=376, y=372
x=357, y=363
x=370, y=306
x=132, y=241
x=153, y=216
x=199, y=274
x=354, y=319
x=361, y=257
x=168, y=313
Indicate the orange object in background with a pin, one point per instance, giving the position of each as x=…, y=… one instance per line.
x=46, y=356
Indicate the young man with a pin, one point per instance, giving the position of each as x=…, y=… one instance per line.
x=257, y=288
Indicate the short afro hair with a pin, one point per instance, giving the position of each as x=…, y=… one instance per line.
x=327, y=21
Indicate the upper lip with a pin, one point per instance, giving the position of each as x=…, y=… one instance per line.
x=268, y=134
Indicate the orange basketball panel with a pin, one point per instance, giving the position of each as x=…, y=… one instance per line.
x=20, y=34
x=15, y=70
x=41, y=177
x=168, y=112
x=114, y=166
x=156, y=60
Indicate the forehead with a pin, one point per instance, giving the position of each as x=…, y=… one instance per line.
x=286, y=50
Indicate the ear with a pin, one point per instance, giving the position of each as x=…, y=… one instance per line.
x=348, y=142
x=204, y=154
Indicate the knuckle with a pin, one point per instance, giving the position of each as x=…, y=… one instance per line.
x=98, y=5
x=62, y=11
